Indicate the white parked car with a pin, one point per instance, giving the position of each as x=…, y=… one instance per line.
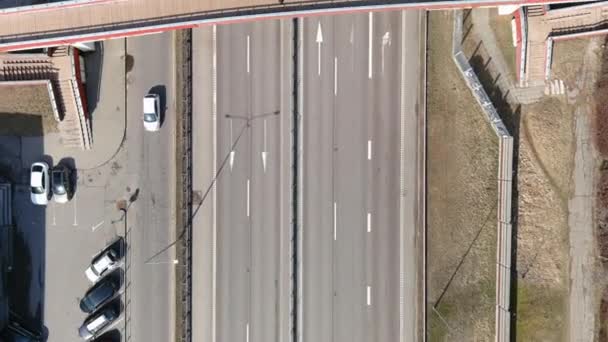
x=102, y=264
x=39, y=183
x=152, y=112
x=97, y=322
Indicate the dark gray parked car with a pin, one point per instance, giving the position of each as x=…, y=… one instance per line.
x=99, y=294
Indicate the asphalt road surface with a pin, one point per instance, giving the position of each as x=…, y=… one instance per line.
x=150, y=299
x=358, y=179
x=252, y=156
x=353, y=228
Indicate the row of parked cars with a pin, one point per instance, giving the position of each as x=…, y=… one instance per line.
x=58, y=185
x=97, y=301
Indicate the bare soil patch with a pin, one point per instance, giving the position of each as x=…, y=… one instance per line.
x=462, y=196
x=546, y=150
x=25, y=110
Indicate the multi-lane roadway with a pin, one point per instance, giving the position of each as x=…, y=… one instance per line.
x=357, y=159
x=355, y=124
x=150, y=269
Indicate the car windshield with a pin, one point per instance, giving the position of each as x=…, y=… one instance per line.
x=59, y=189
x=58, y=186
x=37, y=190
x=149, y=117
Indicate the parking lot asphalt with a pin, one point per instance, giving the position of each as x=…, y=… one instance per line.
x=54, y=244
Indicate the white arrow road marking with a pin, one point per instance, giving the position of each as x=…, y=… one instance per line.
x=232, y=152
x=319, y=41
x=264, y=152
x=94, y=228
x=370, y=38
x=248, y=53
x=386, y=41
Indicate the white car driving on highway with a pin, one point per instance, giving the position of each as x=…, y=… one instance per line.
x=39, y=183
x=152, y=112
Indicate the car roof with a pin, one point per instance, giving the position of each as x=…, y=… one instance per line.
x=149, y=104
x=102, y=263
x=98, y=322
x=36, y=179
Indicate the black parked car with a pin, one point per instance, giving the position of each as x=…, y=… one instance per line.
x=99, y=294
x=60, y=176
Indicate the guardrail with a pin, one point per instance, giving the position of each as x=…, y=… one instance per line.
x=49, y=87
x=523, y=22
x=28, y=40
x=505, y=173
x=51, y=6
x=185, y=139
x=85, y=128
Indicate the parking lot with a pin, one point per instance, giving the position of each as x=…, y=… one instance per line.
x=55, y=244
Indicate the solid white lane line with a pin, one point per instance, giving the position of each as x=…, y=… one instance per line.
x=335, y=221
x=247, y=332
x=336, y=76
x=370, y=38
x=75, y=213
x=369, y=222
x=248, y=53
x=369, y=150
x=214, y=190
x=369, y=295
x=248, y=198
x=54, y=209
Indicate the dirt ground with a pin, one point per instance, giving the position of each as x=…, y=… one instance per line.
x=462, y=195
x=599, y=130
x=546, y=153
x=26, y=111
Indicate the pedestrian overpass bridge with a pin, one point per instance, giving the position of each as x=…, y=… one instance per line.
x=68, y=22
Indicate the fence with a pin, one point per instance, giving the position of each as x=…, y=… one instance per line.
x=505, y=172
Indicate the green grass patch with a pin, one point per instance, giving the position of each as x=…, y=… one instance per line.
x=540, y=313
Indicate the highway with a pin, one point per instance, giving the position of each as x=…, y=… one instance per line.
x=353, y=228
x=358, y=179
x=150, y=289
x=252, y=160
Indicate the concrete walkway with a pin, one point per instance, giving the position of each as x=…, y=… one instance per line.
x=583, y=264
x=108, y=121
x=483, y=30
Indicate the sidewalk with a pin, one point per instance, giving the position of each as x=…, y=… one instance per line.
x=105, y=85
